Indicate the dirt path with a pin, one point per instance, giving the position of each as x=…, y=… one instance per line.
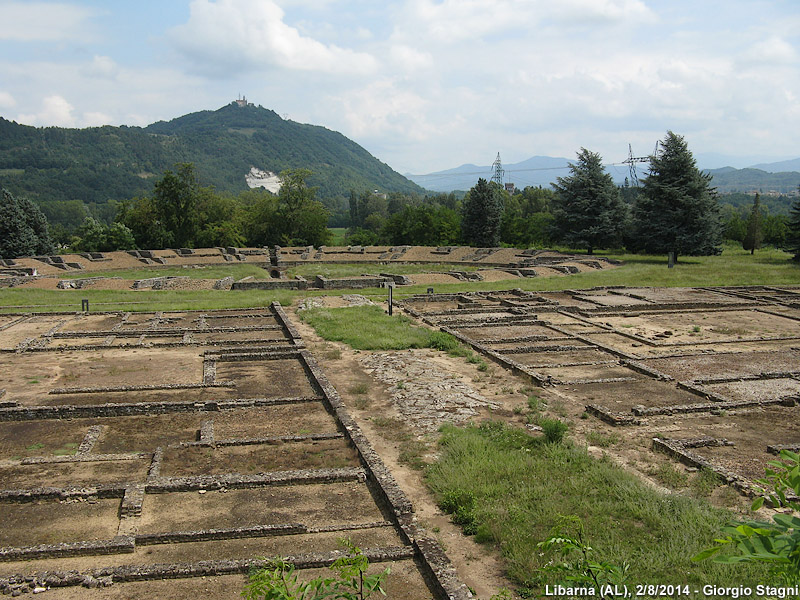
x=478, y=566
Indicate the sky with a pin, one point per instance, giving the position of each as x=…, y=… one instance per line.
x=425, y=85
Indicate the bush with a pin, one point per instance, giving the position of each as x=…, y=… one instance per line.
x=554, y=430
x=444, y=342
x=460, y=505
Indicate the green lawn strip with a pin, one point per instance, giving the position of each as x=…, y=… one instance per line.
x=332, y=270
x=368, y=328
x=196, y=272
x=337, y=236
x=36, y=300
x=510, y=490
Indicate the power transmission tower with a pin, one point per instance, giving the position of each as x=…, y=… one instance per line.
x=497, y=166
x=631, y=162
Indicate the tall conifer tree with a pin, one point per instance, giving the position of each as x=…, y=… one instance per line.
x=588, y=210
x=677, y=210
x=793, y=236
x=481, y=214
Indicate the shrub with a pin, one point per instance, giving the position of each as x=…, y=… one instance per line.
x=554, y=430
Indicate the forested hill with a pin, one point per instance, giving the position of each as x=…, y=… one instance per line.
x=99, y=164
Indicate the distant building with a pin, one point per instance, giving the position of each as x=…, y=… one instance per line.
x=242, y=101
x=511, y=188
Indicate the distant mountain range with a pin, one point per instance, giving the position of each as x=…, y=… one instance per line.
x=98, y=164
x=781, y=177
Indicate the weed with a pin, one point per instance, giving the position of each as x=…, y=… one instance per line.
x=669, y=476
x=602, y=440
x=507, y=390
x=704, y=483
x=535, y=403
x=557, y=406
x=361, y=402
x=460, y=505
x=332, y=353
x=729, y=330
x=482, y=366
x=36, y=446
x=392, y=428
x=518, y=410
x=474, y=359
x=553, y=430
x=411, y=452
x=359, y=388
x=696, y=329
x=584, y=415
x=445, y=342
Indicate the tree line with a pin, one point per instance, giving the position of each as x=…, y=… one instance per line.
x=675, y=210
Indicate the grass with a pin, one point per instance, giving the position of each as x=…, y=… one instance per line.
x=734, y=266
x=196, y=272
x=510, y=490
x=670, y=476
x=309, y=270
x=337, y=236
x=602, y=440
x=369, y=328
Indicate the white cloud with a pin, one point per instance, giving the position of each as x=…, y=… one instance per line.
x=43, y=21
x=771, y=51
x=7, y=100
x=383, y=109
x=96, y=119
x=451, y=21
x=102, y=67
x=55, y=110
x=407, y=58
x=229, y=36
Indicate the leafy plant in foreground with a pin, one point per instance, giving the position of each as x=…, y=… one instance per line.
x=577, y=566
x=279, y=580
x=776, y=543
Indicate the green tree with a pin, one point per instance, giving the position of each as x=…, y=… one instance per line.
x=793, y=233
x=734, y=226
x=16, y=237
x=677, y=209
x=303, y=220
x=177, y=196
x=588, y=211
x=481, y=213
x=23, y=228
x=38, y=224
x=93, y=236
x=754, y=233
x=423, y=225
x=142, y=217
x=260, y=222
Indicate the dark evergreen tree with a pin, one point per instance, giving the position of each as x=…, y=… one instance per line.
x=754, y=236
x=176, y=197
x=38, y=224
x=23, y=228
x=587, y=209
x=481, y=213
x=677, y=210
x=793, y=235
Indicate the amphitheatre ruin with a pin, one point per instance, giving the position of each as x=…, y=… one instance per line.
x=166, y=453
